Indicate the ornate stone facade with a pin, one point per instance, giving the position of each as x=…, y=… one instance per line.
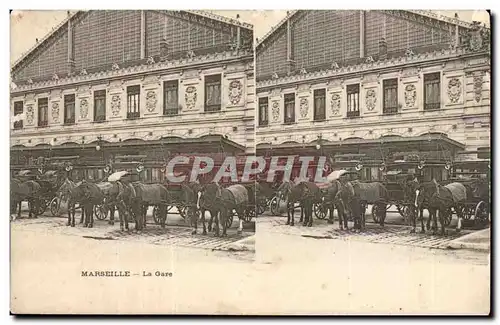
x=191, y=96
x=115, y=105
x=410, y=95
x=151, y=101
x=84, y=108
x=454, y=90
x=371, y=99
x=235, y=92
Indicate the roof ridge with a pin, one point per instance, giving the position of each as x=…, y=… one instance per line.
x=46, y=37
x=71, y=15
x=426, y=13
x=221, y=18
x=277, y=26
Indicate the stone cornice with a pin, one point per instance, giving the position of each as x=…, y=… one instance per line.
x=364, y=124
x=399, y=62
x=165, y=121
x=190, y=63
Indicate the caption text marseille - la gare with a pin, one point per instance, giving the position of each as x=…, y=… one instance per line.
x=126, y=274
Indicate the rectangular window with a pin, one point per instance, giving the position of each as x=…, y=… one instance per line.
x=432, y=91
x=391, y=96
x=290, y=108
x=43, y=112
x=99, y=105
x=263, y=111
x=213, y=93
x=353, y=100
x=18, y=109
x=133, y=94
x=69, y=109
x=319, y=105
x=171, y=97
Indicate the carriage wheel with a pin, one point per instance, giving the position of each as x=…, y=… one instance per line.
x=408, y=212
x=229, y=221
x=320, y=211
x=100, y=212
x=260, y=209
x=481, y=213
x=375, y=213
x=447, y=217
x=41, y=207
x=54, y=206
x=182, y=211
x=401, y=210
x=466, y=211
x=274, y=206
x=249, y=214
x=156, y=215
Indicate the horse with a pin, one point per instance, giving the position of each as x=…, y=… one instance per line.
x=91, y=196
x=73, y=193
x=145, y=196
x=111, y=190
x=189, y=196
x=307, y=194
x=124, y=202
x=331, y=202
x=355, y=196
x=221, y=202
x=20, y=191
x=441, y=199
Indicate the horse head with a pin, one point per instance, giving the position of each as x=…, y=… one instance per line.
x=210, y=194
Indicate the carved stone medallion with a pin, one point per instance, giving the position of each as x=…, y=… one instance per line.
x=190, y=97
x=30, y=114
x=410, y=95
x=235, y=91
x=304, y=107
x=115, y=105
x=371, y=99
x=55, y=112
x=276, y=111
x=151, y=101
x=478, y=87
x=454, y=90
x=335, y=104
x=84, y=108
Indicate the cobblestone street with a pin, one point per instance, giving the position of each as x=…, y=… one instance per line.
x=176, y=233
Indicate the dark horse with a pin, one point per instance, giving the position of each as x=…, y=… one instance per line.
x=73, y=192
x=221, y=202
x=440, y=201
x=355, y=196
x=21, y=191
x=189, y=198
x=91, y=196
x=147, y=195
x=307, y=194
x=332, y=202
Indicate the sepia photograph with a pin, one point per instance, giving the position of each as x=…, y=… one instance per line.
x=250, y=162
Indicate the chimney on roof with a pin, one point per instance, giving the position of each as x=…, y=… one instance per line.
x=382, y=49
x=68, y=13
x=36, y=40
x=456, y=15
x=237, y=16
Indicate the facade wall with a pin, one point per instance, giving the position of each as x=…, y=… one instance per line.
x=234, y=119
x=464, y=113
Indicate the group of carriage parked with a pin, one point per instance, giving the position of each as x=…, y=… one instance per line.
x=468, y=198
x=120, y=193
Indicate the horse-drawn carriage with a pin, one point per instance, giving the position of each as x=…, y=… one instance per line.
x=476, y=177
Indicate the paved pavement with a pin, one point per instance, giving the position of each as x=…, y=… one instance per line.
x=176, y=233
x=395, y=231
